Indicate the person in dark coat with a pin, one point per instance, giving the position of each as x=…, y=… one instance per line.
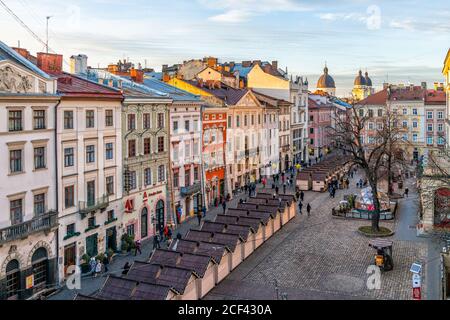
x=277, y=189
x=302, y=195
x=284, y=188
x=308, y=209
x=126, y=268
x=300, y=206
x=406, y=192
x=138, y=247
x=199, y=218
x=106, y=262
x=156, y=244
x=224, y=206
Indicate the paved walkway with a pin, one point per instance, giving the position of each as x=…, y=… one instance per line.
x=321, y=257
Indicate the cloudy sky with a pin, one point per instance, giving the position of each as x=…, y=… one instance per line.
x=399, y=41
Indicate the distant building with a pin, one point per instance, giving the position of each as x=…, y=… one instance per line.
x=362, y=87
x=326, y=83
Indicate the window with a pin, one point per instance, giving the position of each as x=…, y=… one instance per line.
x=109, y=154
x=161, y=173
x=147, y=146
x=379, y=126
x=39, y=158
x=109, y=118
x=196, y=149
x=405, y=137
x=414, y=137
x=90, y=154
x=311, y=130
x=16, y=211
x=187, y=178
x=68, y=157
x=196, y=125
x=440, y=141
x=133, y=180
x=245, y=120
x=237, y=122
x=380, y=112
x=110, y=215
x=253, y=119
x=15, y=161
x=160, y=144
x=68, y=120
x=440, y=127
x=70, y=229
x=160, y=120
x=146, y=121
x=90, y=119
x=186, y=125
x=414, y=124
x=196, y=177
x=90, y=191
x=130, y=230
x=15, y=120
x=405, y=111
x=91, y=222
x=176, y=179
x=187, y=150
x=39, y=204
x=405, y=124
x=414, y=111
x=361, y=113
x=429, y=127
x=131, y=121
x=148, y=176
x=131, y=148
x=38, y=119
x=229, y=121
x=110, y=185
x=370, y=113
x=429, y=114
x=429, y=140
x=175, y=126
x=440, y=115
x=69, y=196
x=370, y=125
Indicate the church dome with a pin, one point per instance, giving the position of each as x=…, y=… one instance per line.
x=368, y=80
x=360, y=80
x=325, y=81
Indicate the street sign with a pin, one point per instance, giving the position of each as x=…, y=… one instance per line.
x=417, y=294
x=416, y=280
x=416, y=268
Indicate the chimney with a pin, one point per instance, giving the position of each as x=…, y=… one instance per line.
x=164, y=67
x=49, y=62
x=275, y=65
x=78, y=64
x=424, y=85
x=246, y=64
x=232, y=64
x=166, y=77
x=137, y=75
x=256, y=62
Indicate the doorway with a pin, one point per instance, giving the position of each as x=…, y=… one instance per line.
x=111, y=239
x=70, y=256
x=144, y=223
x=92, y=245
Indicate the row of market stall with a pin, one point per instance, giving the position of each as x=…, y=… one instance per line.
x=318, y=176
x=194, y=265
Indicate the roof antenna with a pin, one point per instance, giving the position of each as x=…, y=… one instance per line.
x=18, y=44
x=46, y=44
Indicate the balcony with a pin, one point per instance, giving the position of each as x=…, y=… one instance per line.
x=190, y=190
x=89, y=206
x=22, y=230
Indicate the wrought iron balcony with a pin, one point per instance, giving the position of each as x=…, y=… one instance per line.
x=190, y=190
x=24, y=229
x=96, y=204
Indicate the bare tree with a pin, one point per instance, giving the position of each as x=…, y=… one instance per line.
x=377, y=157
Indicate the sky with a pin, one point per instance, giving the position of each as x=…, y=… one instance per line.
x=401, y=41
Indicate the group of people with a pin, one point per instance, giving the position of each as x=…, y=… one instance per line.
x=97, y=266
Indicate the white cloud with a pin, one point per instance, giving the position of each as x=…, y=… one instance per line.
x=242, y=10
x=406, y=24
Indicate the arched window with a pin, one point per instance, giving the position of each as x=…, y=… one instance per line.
x=12, y=279
x=39, y=261
x=144, y=222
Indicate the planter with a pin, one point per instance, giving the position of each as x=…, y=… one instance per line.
x=71, y=235
x=367, y=232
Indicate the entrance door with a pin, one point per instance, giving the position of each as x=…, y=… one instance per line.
x=188, y=207
x=144, y=223
x=12, y=280
x=39, y=262
x=90, y=187
x=111, y=239
x=91, y=245
x=70, y=256
x=160, y=215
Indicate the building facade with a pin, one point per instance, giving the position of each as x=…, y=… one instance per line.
x=299, y=120
x=29, y=220
x=362, y=87
x=320, y=112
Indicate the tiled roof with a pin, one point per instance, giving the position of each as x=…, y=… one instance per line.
x=378, y=98
x=269, y=99
x=221, y=218
x=195, y=262
x=7, y=53
x=242, y=230
x=229, y=95
x=213, y=226
x=407, y=94
x=71, y=85
x=435, y=97
x=215, y=251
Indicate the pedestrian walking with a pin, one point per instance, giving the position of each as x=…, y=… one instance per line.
x=106, y=262
x=137, y=244
x=161, y=233
x=199, y=218
x=297, y=195
x=126, y=268
x=92, y=264
x=156, y=244
x=98, y=268
x=166, y=232
x=276, y=189
x=302, y=195
x=406, y=192
x=204, y=211
x=284, y=188
x=224, y=206
x=308, y=209
x=300, y=206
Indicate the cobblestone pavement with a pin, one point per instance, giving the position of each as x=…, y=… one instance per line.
x=321, y=257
